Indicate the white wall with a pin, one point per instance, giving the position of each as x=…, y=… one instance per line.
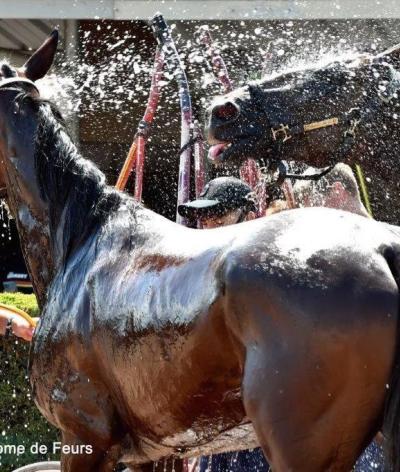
x=205, y=9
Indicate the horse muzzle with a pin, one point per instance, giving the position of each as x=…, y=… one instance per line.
x=236, y=151
x=235, y=132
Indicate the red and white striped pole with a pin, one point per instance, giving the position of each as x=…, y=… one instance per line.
x=136, y=153
x=217, y=62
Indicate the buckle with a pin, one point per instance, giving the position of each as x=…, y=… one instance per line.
x=351, y=132
x=284, y=130
x=354, y=119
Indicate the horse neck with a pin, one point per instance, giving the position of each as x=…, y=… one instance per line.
x=377, y=145
x=74, y=188
x=33, y=231
x=56, y=197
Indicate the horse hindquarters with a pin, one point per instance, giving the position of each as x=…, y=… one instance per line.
x=295, y=437
x=314, y=383
x=391, y=422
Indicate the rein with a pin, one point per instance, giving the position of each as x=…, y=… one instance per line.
x=279, y=168
x=283, y=174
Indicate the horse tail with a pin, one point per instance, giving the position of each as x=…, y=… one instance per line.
x=391, y=421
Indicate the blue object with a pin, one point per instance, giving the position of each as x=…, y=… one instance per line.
x=253, y=460
x=371, y=460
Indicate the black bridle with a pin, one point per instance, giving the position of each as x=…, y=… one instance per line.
x=281, y=133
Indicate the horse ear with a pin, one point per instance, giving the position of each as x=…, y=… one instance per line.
x=40, y=62
x=392, y=54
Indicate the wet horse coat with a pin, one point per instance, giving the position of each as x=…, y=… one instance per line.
x=178, y=342
x=157, y=340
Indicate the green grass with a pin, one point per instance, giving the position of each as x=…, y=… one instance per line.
x=22, y=301
x=20, y=421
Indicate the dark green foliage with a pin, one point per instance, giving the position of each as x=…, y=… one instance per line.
x=20, y=421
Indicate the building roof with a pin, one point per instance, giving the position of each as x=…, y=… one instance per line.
x=25, y=35
x=202, y=10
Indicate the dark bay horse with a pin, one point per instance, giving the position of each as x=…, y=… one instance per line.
x=158, y=341
x=348, y=110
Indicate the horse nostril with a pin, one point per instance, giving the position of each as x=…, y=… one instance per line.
x=226, y=112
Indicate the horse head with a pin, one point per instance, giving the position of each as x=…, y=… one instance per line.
x=19, y=183
x=16, y=131
x=310, y=114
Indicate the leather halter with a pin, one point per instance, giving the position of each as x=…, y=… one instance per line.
x=349, y=120
x=283, y=132
x=15, y=80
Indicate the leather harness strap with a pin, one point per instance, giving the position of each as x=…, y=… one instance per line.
x=15, y=80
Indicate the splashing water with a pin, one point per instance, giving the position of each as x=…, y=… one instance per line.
x=121, y=80
x=5, y=230
x=114, y=73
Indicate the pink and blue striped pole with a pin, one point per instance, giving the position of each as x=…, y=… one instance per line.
x=173, y=62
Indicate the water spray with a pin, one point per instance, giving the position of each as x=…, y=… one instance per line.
x=216, y=60
x=199, y=171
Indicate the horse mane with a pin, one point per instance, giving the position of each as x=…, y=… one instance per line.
x=74, y=188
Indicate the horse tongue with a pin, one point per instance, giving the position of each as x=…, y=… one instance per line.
x=216, y=150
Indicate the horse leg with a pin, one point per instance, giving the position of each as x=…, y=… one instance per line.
x=92, y=460
x=305, y=422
